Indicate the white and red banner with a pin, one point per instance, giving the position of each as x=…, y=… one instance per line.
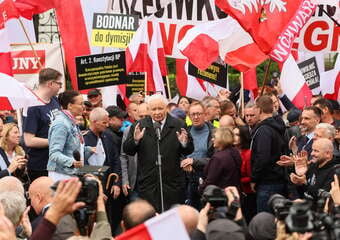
x=25, y=66
x=321, y=33
x=273, y=25
x=13, y=94
x=330, y=82
x=166, y=226
x=294, y=85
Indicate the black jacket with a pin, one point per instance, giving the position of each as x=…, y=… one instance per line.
x=110, y=148
x=267, y=146
x=4, y=172
x=171, y=151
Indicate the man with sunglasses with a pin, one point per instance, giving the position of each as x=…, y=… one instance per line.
x=38, y=120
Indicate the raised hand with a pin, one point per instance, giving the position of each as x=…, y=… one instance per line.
x=298, y=180
x=182, y=136
x=335, y=190
x=293, y=145
x=285, y=161
x=301, y=163
x=138, y=133
x=18, y=162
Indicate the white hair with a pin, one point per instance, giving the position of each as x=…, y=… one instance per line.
x=14, y=205
x=11, y=184
x=157, y=97
x=330, y=129
x=98, y=114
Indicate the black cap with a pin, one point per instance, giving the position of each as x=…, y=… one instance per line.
x=115, y=111
x=224, y=229
x=294, y=115
x=93, y=93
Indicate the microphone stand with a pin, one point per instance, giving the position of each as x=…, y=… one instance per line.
x=159, y=163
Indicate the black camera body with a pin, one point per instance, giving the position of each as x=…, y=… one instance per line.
x=280, y=206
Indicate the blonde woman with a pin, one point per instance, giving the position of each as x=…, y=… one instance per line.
x=12, y=156
x=224, y=167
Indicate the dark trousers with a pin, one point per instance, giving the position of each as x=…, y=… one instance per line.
x=249, y=206
x=264, y=192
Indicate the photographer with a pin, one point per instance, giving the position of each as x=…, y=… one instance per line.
x=319, y=174
x=64, y=202
x=224, y=227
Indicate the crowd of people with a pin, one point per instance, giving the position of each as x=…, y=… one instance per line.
x=219, y=164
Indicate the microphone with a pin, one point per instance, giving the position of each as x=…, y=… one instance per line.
x=76, y=155
x=157, y=127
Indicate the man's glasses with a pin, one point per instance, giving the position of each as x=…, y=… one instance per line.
x=196, y=114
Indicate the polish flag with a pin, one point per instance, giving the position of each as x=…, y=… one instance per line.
x=142, y=56
x=294, y=85
x=330, y=82
x=167, y=226
x=204, y=43
x=13, y=94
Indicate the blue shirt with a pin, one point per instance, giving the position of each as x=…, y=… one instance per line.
x=38, y=122
x=200, y=137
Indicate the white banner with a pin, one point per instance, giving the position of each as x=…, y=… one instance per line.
x=26, y=67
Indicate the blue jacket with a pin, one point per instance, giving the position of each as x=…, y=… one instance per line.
x=64, y=137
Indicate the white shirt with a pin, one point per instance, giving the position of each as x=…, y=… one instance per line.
x=98, y=158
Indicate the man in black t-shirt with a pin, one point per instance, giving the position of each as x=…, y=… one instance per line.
x=38, y=120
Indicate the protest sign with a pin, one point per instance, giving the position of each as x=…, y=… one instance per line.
x=113, y=30
x=310, y=72
x=215, y=73
x=25, y=65
x=321, y=33
x=136, y=83
x=101, y=70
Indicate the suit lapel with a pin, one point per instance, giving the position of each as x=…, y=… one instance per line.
x=168, y=126
x=149, y=128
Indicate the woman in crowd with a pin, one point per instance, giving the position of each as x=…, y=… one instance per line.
x=66, y=143
x=12, y=156
x=242, y=143
x=224, y=167
x=184, y=104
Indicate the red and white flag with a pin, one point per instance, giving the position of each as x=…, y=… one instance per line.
x=167, y=226
x=330, y=82
x=143, y=56
x=203, y=44
x=273, y=24
x=294, y=85
x=250, y=82
x=13, y=94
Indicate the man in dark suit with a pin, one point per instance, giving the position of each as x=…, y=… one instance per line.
x=175, y=142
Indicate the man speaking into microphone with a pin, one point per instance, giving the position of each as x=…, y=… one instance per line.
x=174, y=142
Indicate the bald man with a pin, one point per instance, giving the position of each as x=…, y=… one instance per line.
x=227, y=121
x=136, y=213
x=189, y=216
x=11, y=184
x=41, y=196
x=320, y=172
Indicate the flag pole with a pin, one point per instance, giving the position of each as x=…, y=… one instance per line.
x=265, y=77
x=146, y=83
x=242, y=95
x=30, y=43
x=168, y=86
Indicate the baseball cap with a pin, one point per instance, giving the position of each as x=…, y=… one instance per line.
x=93, y=93
x=115, y=111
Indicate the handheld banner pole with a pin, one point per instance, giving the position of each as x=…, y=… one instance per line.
x=168, y=86
x=265, y=77
x=242, y=95
x=30, y=43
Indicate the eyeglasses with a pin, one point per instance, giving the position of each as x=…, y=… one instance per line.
x=196, y=114
x=59, y=83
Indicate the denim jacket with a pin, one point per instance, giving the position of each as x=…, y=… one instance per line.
x=64, y=138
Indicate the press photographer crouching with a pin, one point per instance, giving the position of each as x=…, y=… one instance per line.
x=221, y=218
x=83, y=198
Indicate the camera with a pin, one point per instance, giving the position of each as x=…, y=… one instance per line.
x=88, y=194
x=280, y=206
x=219, y=203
